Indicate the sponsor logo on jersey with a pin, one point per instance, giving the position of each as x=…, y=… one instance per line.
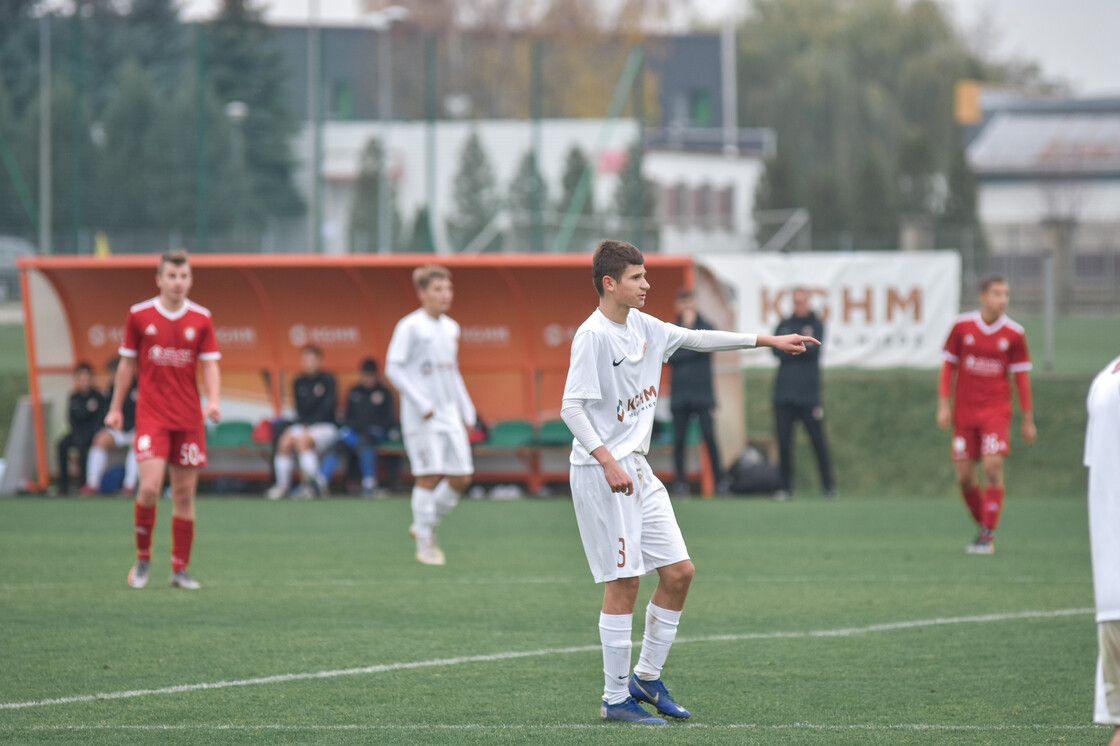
x=618, y=362
x=150, y=330
x=426, y=368
x=642, y=400
x=620, y=412
x=171, y=357
x=983, y=366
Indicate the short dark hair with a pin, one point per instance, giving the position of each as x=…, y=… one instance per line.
x=313, y=349
x=990, y=280
x=611, y=258
x=178, y=257
x=369, y=365
x=83, y=367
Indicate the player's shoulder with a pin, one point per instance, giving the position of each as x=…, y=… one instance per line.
x=144, y=305
x=1014, y=326
x=193, y=307
x=968, y=318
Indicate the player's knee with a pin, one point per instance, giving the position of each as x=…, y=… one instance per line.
x=460, y=483
x=679, y=576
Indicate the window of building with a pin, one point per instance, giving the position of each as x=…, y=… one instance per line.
x=700, y=107
x=342, y=100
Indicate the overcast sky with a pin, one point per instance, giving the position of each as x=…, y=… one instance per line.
x=1073, y=40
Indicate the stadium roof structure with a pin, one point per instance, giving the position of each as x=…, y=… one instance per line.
x=1036, y=144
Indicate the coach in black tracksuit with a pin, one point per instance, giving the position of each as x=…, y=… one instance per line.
x=86, y=411
x=692, y=395
x=797, y=395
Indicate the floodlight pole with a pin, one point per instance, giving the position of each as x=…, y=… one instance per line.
x=45, y=165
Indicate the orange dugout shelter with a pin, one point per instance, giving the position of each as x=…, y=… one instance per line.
x=518, y=314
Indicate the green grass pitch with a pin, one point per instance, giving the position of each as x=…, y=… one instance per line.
x=859, y=621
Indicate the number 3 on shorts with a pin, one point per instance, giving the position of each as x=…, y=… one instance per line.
x=189, y=455
x=621, y=552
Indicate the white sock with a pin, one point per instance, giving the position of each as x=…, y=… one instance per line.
x=284, y=465
x=445, y=499
x=95, y=466
x=131, y=470
x=369, y=483
x=614, y=633
x=661, y=630
x=423, y=516
x=309, y=465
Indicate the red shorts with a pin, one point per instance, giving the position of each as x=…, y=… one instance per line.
x=988, y=438
x=176, y=447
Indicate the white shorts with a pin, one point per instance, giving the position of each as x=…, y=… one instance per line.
x=438, y=452
x=323, y=434
x=121, y=438
x=625, y=536
x=1106, y=708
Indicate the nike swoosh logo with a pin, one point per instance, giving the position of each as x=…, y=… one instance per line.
x=653, y=698
x=618, y=362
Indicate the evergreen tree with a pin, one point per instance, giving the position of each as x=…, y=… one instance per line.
x=528, y=188
x=915, y=174
x=365, y=212
x=830, y=213
x=635, y=200
x=128, y=168
x=575, y=164
x=244, y=67
x=475, y=196
x=635, y=196
x=421, y=242
x=874, y=213
x=15, y=195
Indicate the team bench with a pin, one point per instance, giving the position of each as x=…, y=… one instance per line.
x=514, y=451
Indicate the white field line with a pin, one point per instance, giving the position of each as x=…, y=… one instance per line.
x=713, y=580
x=512, y=655
x=552, y=726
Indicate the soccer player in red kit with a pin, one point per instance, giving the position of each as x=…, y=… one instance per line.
x=984, y=348
x=166, y=338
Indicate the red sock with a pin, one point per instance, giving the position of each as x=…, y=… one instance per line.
x=182, y=536
x=145, y=523
x=973, y=500
x=993, y=504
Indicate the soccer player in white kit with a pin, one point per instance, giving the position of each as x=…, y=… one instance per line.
x=1102, y=456
x=625, y=518
x=423, y=364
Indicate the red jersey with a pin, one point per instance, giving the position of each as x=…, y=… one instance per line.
x=984, y=356
x=167, y=347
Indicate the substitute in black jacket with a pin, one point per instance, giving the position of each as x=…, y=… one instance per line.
x=797, y=395
x=85, y=414
x=371, y=419
x=692, y=395
x=314, y=431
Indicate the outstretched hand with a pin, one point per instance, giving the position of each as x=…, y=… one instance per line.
x=794, y=344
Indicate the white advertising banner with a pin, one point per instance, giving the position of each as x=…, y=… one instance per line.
x=880, y=310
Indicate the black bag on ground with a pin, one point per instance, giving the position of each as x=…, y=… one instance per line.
x=751, y=474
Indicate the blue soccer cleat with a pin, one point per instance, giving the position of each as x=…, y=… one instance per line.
x=628, y=711
x=655, y=693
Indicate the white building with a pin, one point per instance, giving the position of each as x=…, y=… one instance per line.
x=705, y=199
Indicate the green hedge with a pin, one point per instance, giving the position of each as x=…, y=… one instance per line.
x=884, y=437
